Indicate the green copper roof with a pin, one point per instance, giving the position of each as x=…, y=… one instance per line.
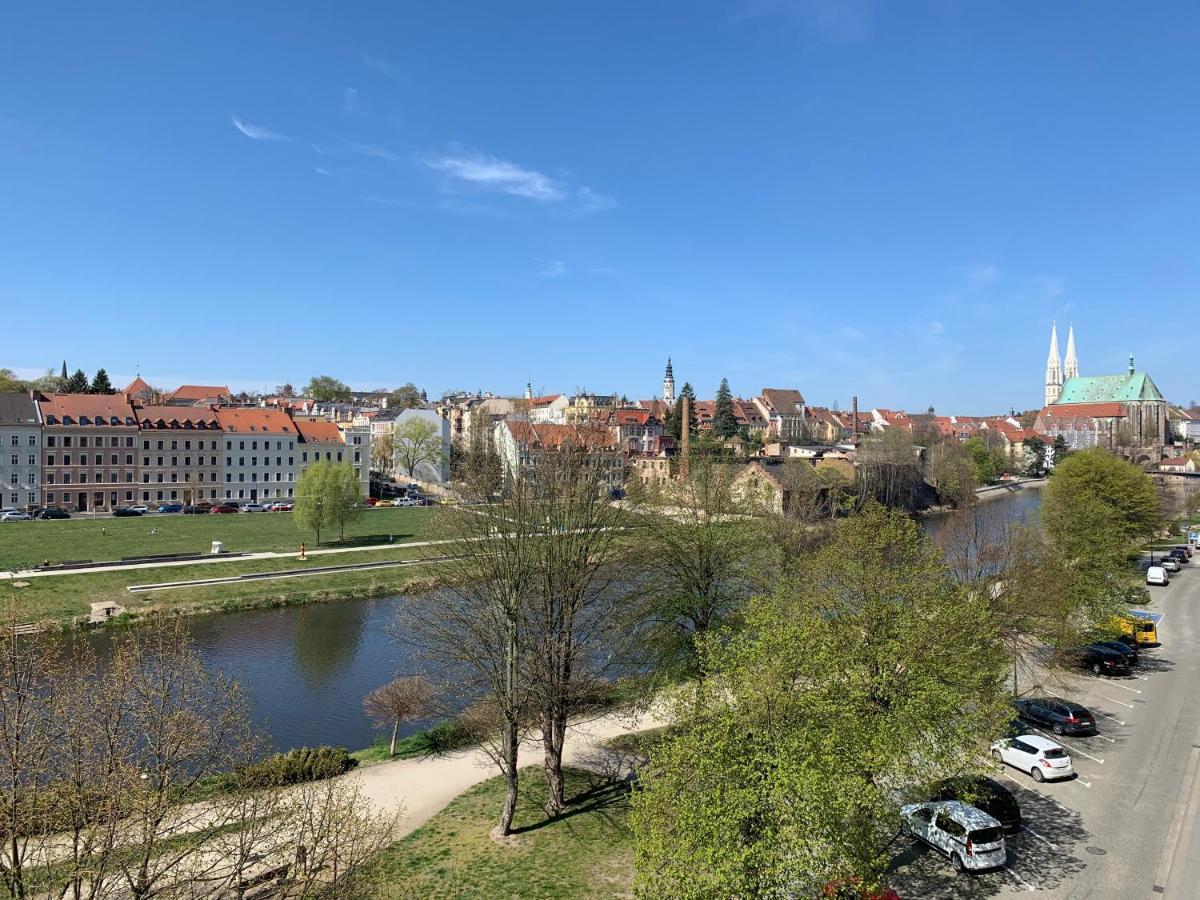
x=1109, y=388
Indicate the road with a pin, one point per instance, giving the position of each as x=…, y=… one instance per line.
x=1127, y=826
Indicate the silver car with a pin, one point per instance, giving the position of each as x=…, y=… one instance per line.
x=971, y=838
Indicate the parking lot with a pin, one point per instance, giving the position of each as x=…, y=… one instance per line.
x=1126, y=826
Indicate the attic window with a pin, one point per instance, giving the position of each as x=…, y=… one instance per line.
x=113, y=420
x=83, y=420
x=51, y=420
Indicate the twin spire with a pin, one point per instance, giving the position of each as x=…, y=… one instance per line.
x=1058, y=372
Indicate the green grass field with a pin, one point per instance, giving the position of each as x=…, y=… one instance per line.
x=24, y=544
x=587, y=852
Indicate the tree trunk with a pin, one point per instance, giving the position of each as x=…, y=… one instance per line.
x=554, y=732
x=509, y=750
x=395, y=728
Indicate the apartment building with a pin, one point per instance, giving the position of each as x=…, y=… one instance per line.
x=259, y=454
x=181, y=454
x=89, y=450
x=20, y=451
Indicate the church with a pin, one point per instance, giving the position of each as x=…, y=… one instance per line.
x=1115, y=412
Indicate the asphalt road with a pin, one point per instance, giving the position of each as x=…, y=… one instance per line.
x=1127, y=826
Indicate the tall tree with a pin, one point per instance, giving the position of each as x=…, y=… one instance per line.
x=327, y=389
x=889, y=470
x=869, y=651
x=724, y=423
x=77, y=383
x=418, y=442
x=311, y=510
x=383, y=452
x=9, y=382
x=408, y=396
x=100, y=383
x=343, y=496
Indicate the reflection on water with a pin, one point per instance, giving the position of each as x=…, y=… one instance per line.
x=307, y=668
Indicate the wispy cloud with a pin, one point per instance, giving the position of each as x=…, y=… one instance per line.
x=374, y=151
x=593, y=201
x=379, y=65
x=982, y=273
x=552, y=268
x=484, y=172
x=321, y=170
x=1047, y=287
x=350, y=100
x=256, y=132
x=936, y=327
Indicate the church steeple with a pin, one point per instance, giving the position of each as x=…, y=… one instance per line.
x=1070, y=364
x=1054, y=379
x=669, y=385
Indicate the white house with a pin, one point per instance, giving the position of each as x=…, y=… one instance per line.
x=20, y=450
x=260, y=453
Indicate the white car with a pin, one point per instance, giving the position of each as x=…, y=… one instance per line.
x=1170, y=563
x=14, y=515
x=1157, y=575
x=968, y=836
x=406, y=501
x=1043, y=759
x=254, y=507
x=140, y=509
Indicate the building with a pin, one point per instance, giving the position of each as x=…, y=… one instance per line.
x=435, y=472
x=783, y=409
x=89, y=451
x=1178, y=465
x=521, y=443
x=357, y=437
x=259, y=454
x=550, y=409
x=668, y=394
x=180, y=450
x=199, y=395
x=633, y=429
x=583, y=409
x=139, y=392
x=20, y=451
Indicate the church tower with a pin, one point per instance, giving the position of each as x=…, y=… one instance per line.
x=1071, y=364
x=669, y=385
x=1054, y=379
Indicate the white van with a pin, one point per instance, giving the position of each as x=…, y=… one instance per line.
x=968, y=836
x=1157, y=575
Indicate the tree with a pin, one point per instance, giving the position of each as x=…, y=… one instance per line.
x=418, y=442
x=724, y=424
x=869, y=653
x=1060, y=448
x=383, y=452
x=100, y=383
x=311, y=510
x=343, y=496
x=10, y=383
x=1035, y=457
x=285, y=390
x=889, y=470
x=408, y=396
x=327, y=389
x=400, y=700
x=672, y=426
x=950, y=471
x=989, y=461
x=77, y=383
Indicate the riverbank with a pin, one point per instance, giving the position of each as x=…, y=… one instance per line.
x=990, y=492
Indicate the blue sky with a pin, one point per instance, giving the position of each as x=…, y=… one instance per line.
x=883, y=199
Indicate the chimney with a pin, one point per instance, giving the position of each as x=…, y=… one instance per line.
x=853, y=418
x=685, y=434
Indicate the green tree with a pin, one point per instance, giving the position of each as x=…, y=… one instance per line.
x=326, y=389
x=889, y=470
x=989, y=462
x=418, y=442
x=1035, y=457
x=311, y=511
x=10, y=383
x=407, y=396
x=724, y=423
x=344, y=496
x=77, y=383
x=1060, y=448
x=868, y=674
x=951, y=471
x=672, y=425
x=100, y=383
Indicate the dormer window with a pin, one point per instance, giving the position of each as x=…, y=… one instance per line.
x=51, y=420
x=113, y=420
x=83, y=420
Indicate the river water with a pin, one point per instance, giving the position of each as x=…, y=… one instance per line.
x=306, y=669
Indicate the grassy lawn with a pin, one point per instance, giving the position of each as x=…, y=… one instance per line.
x=29, y=543
x=64, y=596
x=586, y=853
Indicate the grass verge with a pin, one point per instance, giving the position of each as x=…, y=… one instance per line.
x=586, y=852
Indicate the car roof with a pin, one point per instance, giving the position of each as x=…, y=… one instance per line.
x=1036, y=740
x=965, y=814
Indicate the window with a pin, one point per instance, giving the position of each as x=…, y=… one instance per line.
x=160, y=477
x=160, y=495
x=174, y=460
x=924, y=814
x=83, y=477
x=129, y=459
x=66, y=477
x=32, y=479
x=113, y=459
x=159, y=461
x=145, y=495
x=66, y=440
x=16, y=441
x=952, y=827
x=129, y=495
x=129, y=477
x=50, y=497
x=83, y=440
x=128, y=442
x=304, y=456
x=83, y=459
x=145, y=478
x=66, y=459
x=51, y=440
x=14, y=459
x=174, y=445
x=50, y=460
x=145, y=445
x=49, y=478
x=159, y=446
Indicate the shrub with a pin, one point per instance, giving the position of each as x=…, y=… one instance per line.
x=294, y=767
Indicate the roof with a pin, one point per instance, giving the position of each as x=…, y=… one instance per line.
x=544, y=435
x=965, y=814
x=785, y=401
x=86, y=409
x=1121, y=388
x=199, y=392
x=630, y=417
x=1090, y=410
x=1174, y=461
x=544, y=401
x=137, y=386
x=18, y=408
x=1036, y=740
x=248, y=420
x=319, y=431
x=176, y=416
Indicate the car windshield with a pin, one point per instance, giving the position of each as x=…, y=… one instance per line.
x=1055, y=753
x=984, y=836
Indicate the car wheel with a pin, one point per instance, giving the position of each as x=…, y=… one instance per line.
x=1096, y=668
x=997, y=757
x=1057, y=728
x=1037, y=774
x=959, y=865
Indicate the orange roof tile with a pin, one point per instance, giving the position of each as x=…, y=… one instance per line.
x=319, y=431
x=150, y=416
x=78, y=407
x=255, y=420
x=198, y=392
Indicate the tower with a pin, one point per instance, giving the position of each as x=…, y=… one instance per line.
x=1070, y=364
x=1054, y=379
x=669, y=385
x=529, y=390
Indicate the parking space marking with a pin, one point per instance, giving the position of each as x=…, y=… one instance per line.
x=1055, y=737
x=1123, y=687
x=1105, y=738
x=1013, y=872
x=1045, y=840
x=1121, y=702
x=1078, y=780
x=1110, y=716
x=1039, y=793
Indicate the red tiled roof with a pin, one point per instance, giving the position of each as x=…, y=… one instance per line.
x=321, y=431
x=1092, y=410
x=543, y=401
x=1174, y=461
x=180, y=416
x=630, y=417
x=198, y=392
x=77, y=407
x=545, y=435
x=137, y=386
x=785, y=401
x=255, y=420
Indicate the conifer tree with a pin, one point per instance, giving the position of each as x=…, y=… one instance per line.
x=672, y=423
x=724, y=419
x=77, y=383
x=101, y=384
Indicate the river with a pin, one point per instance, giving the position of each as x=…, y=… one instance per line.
x=306, y=669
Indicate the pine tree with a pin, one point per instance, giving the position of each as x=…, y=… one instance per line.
x=672, y=424
x=101, y=384
x=77, y=383
x=724, y=419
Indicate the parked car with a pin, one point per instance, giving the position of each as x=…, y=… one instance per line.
x=140, y=509
x=125, y=512
x=383, y=504
x=1104, y=660
x=1157, y=575
x=171, y=508
x=52, y=512
x=969, y=837
x=1129, y=648
x=1170, y=563
x=370, y=501
x=986, y=794
x=1186, y=548
x=281, y=506
x=1043, y=759
x=1059, y=715
x=1180, y=554
x=196, y=509
x=254, y=507
x=15, y=515
x=223, y=508
x=1144, y=631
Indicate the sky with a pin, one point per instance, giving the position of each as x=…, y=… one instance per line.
x=888, y=200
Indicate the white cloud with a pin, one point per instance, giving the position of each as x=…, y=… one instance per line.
x=374, y=151
x=594, y=201
x=321, y=170
x=350, y=99
x=553, y=268
x=256, y=132
x=490, y=173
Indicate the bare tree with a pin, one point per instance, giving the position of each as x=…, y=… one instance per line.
x=400, y=700
x=418, y=442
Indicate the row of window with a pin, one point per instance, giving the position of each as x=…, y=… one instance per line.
x=14, y=498
x=187, y=461
x=15, y=459
x=266, y=492
x=187, y=445
x=67, y=497
x=266, y=461
x=15, y=480
x=16, y=440
x=97, y=477
x=187, y=477
x=254, y=476
x=254, y=445
x=52, y=440
x=83, y=459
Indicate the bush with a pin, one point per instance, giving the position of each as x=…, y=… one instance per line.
x=294, y=767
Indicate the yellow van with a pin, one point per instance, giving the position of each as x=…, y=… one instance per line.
x=1141, y=630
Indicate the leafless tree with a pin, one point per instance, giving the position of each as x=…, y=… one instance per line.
x=400, y=700
x=889, y=470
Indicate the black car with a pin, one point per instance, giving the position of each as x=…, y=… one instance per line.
x=1104, y=660
x=985, y=794
x=1131, y=652
x=124, y=512
x=1059, y=715
x=52, y=512
x=1180, y=554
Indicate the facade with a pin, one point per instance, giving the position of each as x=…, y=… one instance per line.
x=550, y=409
x=1178, y=465
x=180, y=455
x=358, y=450
x=20, y=451
x=259, y=452
x=783, y=409
x=634, y=429
x=521, y=443
x=89, y=451
x=668, y=394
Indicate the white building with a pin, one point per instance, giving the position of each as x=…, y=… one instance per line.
x=437, y=473
x=260, y=454
x=324, y=441
x=20, y=450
